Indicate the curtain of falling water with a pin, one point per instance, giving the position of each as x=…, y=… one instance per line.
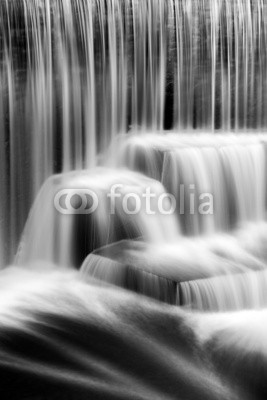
x=75, y=73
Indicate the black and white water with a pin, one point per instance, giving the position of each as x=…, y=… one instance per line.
x=158, y=94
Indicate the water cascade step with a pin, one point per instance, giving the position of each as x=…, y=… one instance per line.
x=76, y=73
x=224, y=173
x=77, y=212
x=223, y=273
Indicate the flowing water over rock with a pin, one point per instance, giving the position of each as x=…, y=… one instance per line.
x=75, y=73
x=72, y=233
x=133, y=148
x=231, y=168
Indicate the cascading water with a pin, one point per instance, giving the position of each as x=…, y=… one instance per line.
x=116, y=104
x=232, y=169
x=75, y=73
x=71, y=236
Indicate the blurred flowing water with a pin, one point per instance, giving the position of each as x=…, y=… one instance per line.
x=146, y=94
x=158, y=94
x=75, y=73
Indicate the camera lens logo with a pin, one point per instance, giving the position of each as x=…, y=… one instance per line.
x=76, y=201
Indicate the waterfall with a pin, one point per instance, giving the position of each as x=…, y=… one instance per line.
x=155, y=86
x=64, y=231
x=75, y=73
x=231, y=169
x=220, y=273
x=133, y=199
